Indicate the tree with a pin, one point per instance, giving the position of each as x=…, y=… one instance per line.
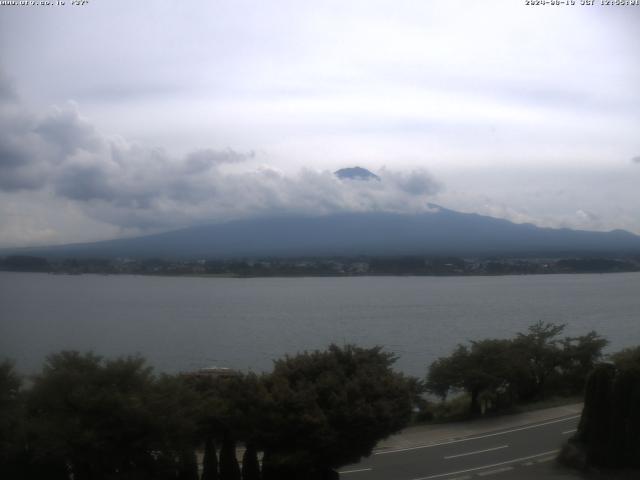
x=627, y=357
x=91, y=414
x=232, y=409
x=188, y=465
x=229, y=468
x=250, y=464
x=595, y=423
x=12, y=423
x=625, y=417
x=538, y=355
x=609, y=429
x=579, y=357
x=210, y=460
x=104, y=418
x=483, y=368
x=329, y=408
x=501, y=372
x=178, y=412
x=447, y=373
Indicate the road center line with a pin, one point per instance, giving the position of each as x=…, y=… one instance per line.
x=569, y=431
x=476, y=452
x=515, y=460
x=449, y=442
x=355, y=471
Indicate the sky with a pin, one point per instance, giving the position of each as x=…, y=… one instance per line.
x=121, y=118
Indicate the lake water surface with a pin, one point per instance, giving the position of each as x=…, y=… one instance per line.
x=182, y=323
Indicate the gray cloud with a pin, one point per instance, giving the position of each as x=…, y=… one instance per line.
x=636, y=159
x=7, y=92
x=587, y=215
x=64, y=130
x=203, y=160
x=84, y=183
x=136, y=187
x=416, y=182
x=32, y=147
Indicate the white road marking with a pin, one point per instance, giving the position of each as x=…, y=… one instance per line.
x=477, y=451
x=569, y=431
x=493, y=472
x=515, y=460
x=355, y=471
x=546, y=459
x=477, y=437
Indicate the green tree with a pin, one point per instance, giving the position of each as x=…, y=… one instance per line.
x=625, y=417
x=188, y=467
x=446, y=374
x=628, y=357
x=484, y=368
x=13, y=439
x=177, y=411
x=579, y=357
x=250, y=464
x=210, y=460
x=594, y=429
x=609, y=429
x=229, y=468
x=112, y=418
x=329, y=408
x=91, y=414
x=232, y=410
x=538, y=355
x=501, y=372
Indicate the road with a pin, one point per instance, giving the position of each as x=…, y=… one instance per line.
x=512, y=453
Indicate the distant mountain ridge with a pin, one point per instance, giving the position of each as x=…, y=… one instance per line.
x=439, y=232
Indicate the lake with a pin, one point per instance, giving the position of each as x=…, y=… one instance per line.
x=183, y=323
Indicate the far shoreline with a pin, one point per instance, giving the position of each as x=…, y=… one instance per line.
x=328, y=275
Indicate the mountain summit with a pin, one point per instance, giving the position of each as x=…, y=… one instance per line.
x=355, y=173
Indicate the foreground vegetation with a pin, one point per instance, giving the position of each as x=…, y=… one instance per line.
x=609, y=431
x=498, y=374
x=84, y=417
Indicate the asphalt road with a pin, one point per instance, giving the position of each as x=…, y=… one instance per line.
x=513, y=453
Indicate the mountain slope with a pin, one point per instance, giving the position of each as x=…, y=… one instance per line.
x=442, y=232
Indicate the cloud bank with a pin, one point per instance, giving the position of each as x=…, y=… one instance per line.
x=138, y=188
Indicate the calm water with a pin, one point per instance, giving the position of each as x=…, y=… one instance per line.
x=185, y=323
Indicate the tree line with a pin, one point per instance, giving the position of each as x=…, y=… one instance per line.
x=84, y=417
x=499, y=373
x=322, y=266
x=496, y=374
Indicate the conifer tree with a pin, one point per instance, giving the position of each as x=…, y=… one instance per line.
x=250, y=465
x=210, y=461
x=625, y=418
x=229, y=468
x=595, y=425
x=188, y=465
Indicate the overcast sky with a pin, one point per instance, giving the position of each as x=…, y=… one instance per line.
x=120, y=118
